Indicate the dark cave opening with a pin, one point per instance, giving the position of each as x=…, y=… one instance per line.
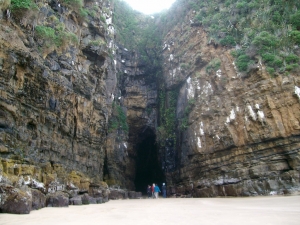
x=148, y=164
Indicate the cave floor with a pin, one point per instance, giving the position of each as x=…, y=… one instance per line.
x=252, y=210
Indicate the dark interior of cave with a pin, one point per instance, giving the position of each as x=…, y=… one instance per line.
x=148, y=166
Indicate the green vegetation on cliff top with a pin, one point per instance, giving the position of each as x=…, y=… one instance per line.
x=140, y=33
x=22, y=4
x=265, y=30
x=74, y=5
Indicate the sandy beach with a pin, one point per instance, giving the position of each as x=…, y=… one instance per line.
x=204, y=211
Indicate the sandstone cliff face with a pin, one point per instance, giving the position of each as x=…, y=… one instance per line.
x=237, y=135
x=55, y=98
x=137, y=95
x=57, y=101
x=78, y=110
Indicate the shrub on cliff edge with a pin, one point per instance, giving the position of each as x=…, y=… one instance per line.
x=22, y=4
x=55, y=39
x=295, y=36
x=24, y=9
x=243, y=62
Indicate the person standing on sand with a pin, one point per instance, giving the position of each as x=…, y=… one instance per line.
x=149, y=191
x=156, y=190
x=164, y=190
x=152, y=190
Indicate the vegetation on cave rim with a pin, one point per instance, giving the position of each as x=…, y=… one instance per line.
x=167, y=119
x=118, y=119
x=138, y=32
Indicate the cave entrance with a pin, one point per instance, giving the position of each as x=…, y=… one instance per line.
x=148, y=165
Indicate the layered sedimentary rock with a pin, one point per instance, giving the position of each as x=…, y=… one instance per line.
x=242, y=131
x=75, y=110
x=137, y=95
x=54, y=97
x=54, y=108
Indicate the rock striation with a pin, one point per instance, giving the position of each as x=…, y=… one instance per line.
x=54, y=103
x=78, y=111
x=58, y=94
x=137, y=95
x=238, y=134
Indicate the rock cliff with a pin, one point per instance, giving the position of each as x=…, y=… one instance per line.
x=237, y=133
x=79, y=105
x=136, y=94
x=56, y=80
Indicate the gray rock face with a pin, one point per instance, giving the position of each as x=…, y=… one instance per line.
x=53, y=100
x=93, y=200
x=13, y=200
x=76, y=200
x=138, y=195
x=118, y=194
x=134, y=195
x=85, y=199
x=237, y=135
x=57, y=199
x=104, y=200
x=38, y=199
x=137, y=94
x=99, y=200
x=53, y=65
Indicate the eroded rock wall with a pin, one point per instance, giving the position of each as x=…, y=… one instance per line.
x=236, y=134
x=241, y=132
x=55, y=94
x=137, y=95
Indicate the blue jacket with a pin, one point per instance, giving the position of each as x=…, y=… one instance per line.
x=156, y=189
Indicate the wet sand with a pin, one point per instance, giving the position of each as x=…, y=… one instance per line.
x=200, y=211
